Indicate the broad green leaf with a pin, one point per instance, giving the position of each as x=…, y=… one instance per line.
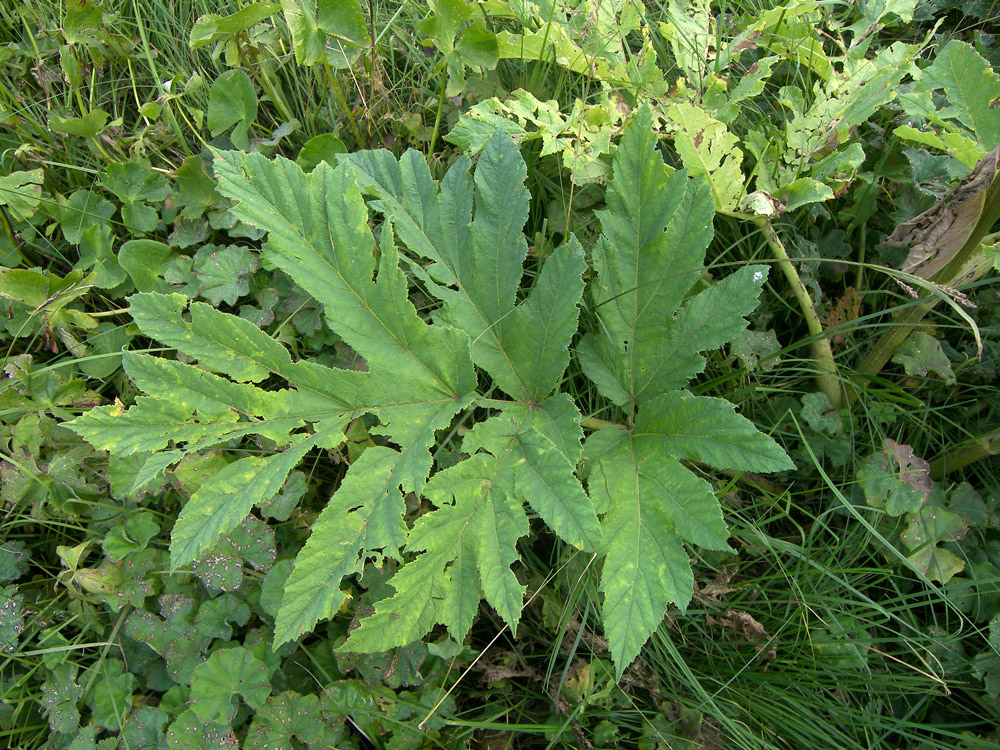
x=474, y=45
x=699, y=428
x=230, y=494
x=211, y=28
x=876, y=10
x=710, y=319
x=749, y=86
x=545, y=480
x=960, y=146
x=656, y=229
x=970, y=86
x=221, y=343
x=60, y=692
x=232, y=101
x=433, y=220
x=651, y=252
x=652, y=504
x=474, y=529
x=318, y=234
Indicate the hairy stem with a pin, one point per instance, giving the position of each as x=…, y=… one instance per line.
x=827, y=379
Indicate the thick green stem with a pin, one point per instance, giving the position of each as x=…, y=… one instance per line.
x=827, y=379
x=965, y=454
x=976, y=267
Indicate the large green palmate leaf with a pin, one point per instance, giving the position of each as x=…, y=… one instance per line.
x=461, y=239
x=651, y=252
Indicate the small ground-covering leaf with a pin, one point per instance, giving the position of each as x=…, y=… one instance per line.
x=757, y=350
x=211, y=28
x=13, y=560
x=82, y=210
x=216, y=682
x=21, y=192
x=60, y=695
x=214, y=616
x=134, y=580
x=131, y=536
x=188, y=732
x=880, y=481
x=11, y=618
x=921, y=354
x=223, y=272
x=138, y=188
x=289, y=717
x=173, y=635
x=144, y=729
x=925, y=530
x=110, y=696
x=331, y=31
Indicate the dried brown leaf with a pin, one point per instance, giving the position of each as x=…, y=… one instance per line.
x=936, y=236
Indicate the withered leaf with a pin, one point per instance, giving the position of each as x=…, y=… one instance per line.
x=939, y=233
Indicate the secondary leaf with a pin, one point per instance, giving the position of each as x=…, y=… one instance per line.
x=21, y=192
x=435, y=222
x=232, y=101
x=333, y=30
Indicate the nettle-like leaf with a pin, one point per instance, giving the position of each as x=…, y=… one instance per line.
x=462, y=239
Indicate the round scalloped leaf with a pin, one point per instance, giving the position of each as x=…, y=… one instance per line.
x=227, y=673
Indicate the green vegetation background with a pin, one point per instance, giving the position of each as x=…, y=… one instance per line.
x=859, y=604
